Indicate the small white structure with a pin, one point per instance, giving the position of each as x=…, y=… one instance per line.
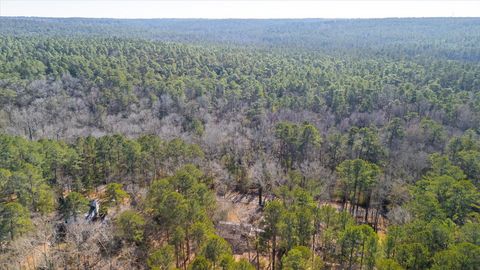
x=94, y=209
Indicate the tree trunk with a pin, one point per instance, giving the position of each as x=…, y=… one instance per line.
x=176, y=257
x=375, y=226
x=274, y=251
x=350, y=259
x=184, y=258
x=260, y=191
x=367, y=207
x=313, y=248
x=361, y=258
x=344, y=201
x=258, y=253
x=188, y=245
x=352, y=201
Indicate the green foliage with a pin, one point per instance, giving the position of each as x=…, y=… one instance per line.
x=465, y=256
x=364, y=143
x=14, y=220
x=200, y=263
x=186, y=178
x=469, y=161
x=180, y=198
x=358, y=245
x=243, y=264
x=393, y=239
x=441, y=165
x=5, y=176
x=30, y=168
x=395, y=131
x=336, y=149
x=46, y=200
x=298, y=221
x=413, y=256
x=273, y=214
x=115, y=194
x=194, y=125
x=388, y=264
x=130, y=226
x=470, y=232
x=415, y=244
x=214, y=248
x=433, y=132
x=227, y=262
x=7, y=95
x=443, y=196
x=272, y=223
x=162, y=259
x=181, y=206
x=358, y=178
x=297, y=142
x=173, y=211
x=199, y=232
x=300, y=258
x=75, y=204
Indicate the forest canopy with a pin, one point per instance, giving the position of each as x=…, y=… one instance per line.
x=355, y=143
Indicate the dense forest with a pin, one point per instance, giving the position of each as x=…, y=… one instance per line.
x=340, y=144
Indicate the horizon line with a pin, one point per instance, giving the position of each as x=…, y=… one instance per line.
x=245, y=18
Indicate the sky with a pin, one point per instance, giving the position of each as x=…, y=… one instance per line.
x=239, y=8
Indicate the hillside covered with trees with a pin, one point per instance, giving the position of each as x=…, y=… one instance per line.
x=355, y=142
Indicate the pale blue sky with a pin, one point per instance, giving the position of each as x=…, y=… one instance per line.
x=239, y=8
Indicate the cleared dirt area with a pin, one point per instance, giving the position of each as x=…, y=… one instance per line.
x=238, y=208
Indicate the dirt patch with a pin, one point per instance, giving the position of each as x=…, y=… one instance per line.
x=238, y=208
